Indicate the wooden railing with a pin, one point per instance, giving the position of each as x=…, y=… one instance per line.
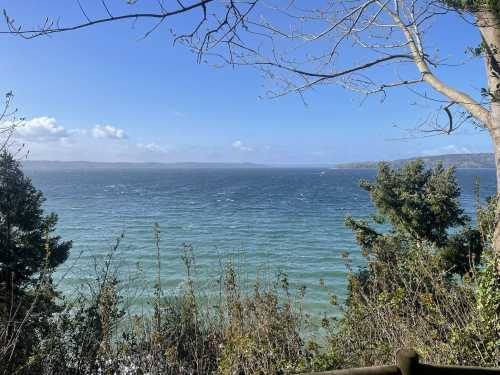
x=408, y=364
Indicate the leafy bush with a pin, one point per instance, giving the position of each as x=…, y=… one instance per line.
x=242, y=331
x=261, y=334
x=410, y=302
x=409, y=295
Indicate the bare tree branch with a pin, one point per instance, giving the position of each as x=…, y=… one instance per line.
x=9, y=122
x=53, y=27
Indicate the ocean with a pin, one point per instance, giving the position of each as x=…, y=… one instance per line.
x=264, y=220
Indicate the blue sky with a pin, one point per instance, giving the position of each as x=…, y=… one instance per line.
x=103, y=94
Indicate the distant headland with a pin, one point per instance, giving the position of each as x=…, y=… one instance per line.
x=479, y=160
x=462, y=161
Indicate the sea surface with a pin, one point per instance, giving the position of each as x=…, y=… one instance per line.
x=262, y=220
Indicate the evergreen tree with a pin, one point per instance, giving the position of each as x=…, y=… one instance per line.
x=407, y=294
x=26, y=241
x=29, y=252
x=421, y=205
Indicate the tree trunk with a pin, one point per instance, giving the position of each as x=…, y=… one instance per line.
x=495, y=135
x=489, y=26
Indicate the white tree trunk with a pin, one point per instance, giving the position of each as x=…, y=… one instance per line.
x=489, y=26
x=495, y=135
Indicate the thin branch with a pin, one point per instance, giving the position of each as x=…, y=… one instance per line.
x=34, y=33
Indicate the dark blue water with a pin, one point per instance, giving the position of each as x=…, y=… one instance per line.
x=264, y=220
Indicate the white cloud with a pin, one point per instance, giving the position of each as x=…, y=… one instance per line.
x=152, y=147
x=108, y=132
x=240, y=146
x=40, y=129
x=449, y=149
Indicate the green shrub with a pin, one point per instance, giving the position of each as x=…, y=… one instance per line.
x=261, y=333
x=410, y=293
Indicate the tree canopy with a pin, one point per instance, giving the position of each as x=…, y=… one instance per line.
x=418, y=201
x=27, y=242
x=421, y=206
x=474, y=5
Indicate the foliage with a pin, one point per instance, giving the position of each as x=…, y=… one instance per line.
x=24, y=229
x=261, y=334
x=409, y=302
x=406, y=295
x=242, y=331
x=474, y=5
x=420, y=202
x=28, y=253
x=421, y=205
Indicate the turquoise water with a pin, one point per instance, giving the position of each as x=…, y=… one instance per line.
x=264, y=220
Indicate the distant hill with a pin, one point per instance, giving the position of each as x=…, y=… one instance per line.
x=46, y=164
x=483, y=160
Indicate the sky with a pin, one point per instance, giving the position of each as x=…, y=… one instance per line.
x=107, y=94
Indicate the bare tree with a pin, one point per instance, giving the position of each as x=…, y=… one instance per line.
x=8, y=123
x=368, y=46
